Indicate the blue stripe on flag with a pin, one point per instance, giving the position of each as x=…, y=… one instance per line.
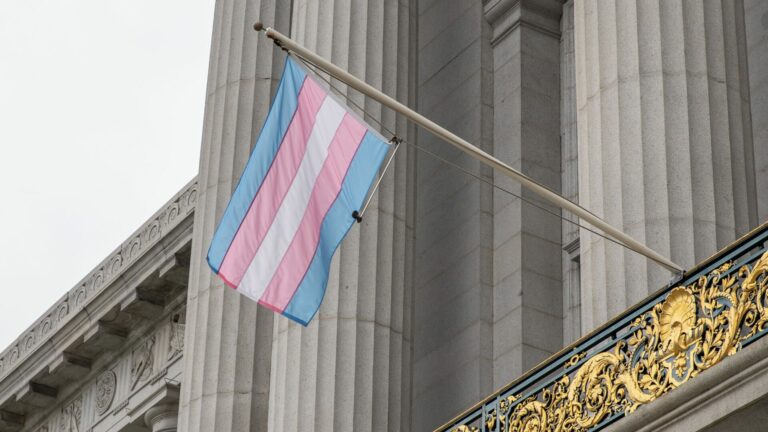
x=267, y=145
x=337, y=222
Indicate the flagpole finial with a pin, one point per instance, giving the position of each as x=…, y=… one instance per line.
x=258, y=26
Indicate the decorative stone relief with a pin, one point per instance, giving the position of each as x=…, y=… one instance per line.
x=71, y=415
x=43, y=429
x=141, y=361
x=176, y=340
x=105, y=391
x=163, y=222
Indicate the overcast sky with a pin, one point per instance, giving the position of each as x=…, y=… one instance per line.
x=101, y=107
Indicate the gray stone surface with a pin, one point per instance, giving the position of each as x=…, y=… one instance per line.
x=526, y=107
x=570, y=178
x=453, y=294
x=228, y=338
x=168, y=218
x=663, y=140
x=487, y=303
x=449, y=288
x=756, y=21
x=349, y=369
x=162, y=418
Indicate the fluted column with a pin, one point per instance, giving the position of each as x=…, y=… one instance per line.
x=664, y=139
x=757, y=52
x=228, y=338
x=349, y=370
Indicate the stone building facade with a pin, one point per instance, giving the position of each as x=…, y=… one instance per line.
x=652, y=114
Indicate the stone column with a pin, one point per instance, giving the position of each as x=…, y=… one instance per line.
x=162, y=418
x=228, y=338
x=349, y=370
x=527, y=274
x=756, y=14
x=664, y=139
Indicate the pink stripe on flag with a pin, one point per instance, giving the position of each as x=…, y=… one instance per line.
x=262, y=211
x=299, y=255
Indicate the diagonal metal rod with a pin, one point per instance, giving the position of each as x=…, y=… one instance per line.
x=289, y=44
x=453, y=165
x=396, y=142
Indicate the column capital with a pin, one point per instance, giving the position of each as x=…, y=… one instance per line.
x=506, y=15
x=162, y=418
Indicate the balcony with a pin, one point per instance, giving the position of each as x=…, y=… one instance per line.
x=709, y=315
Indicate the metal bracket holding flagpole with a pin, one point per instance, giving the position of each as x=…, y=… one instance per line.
x=358, y=215
x=542, y=191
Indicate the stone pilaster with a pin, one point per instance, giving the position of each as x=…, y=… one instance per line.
x=664, y=139
x=570, y=178
x=527, y=276
x=228, y=338
x=453, y=293
x=350, y=368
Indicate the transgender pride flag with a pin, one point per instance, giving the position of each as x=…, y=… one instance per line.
x=312, y=166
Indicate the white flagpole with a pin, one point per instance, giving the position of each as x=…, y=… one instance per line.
x=363, y=87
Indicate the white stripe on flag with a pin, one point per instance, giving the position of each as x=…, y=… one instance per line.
x=291, y=212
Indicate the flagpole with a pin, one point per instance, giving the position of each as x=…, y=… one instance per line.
x=289, y=44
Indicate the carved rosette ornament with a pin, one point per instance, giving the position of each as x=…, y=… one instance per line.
x=693, y=329
x=105, y=391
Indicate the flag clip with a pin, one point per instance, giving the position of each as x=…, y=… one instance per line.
x=357, y=216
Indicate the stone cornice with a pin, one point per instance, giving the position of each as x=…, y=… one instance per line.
x=162, y=222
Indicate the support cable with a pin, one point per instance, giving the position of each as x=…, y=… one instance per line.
x=473, y=151
x=312, y=67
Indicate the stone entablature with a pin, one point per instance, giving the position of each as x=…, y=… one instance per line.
x=115, y=340
x=149, y=234
x=145, y=372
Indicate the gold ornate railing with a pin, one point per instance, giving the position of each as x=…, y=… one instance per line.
x=712, y=312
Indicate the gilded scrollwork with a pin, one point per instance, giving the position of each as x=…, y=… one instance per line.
x=693, y=329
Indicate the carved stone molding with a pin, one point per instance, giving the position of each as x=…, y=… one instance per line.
x=147, y=236
x=142, y=359
x=71, y=415
x=105, y=391
x=176, y=339
x=162, y=418
x=506, y=15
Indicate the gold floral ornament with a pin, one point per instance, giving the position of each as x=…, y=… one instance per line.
x=693, y=329
x=677, y=321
